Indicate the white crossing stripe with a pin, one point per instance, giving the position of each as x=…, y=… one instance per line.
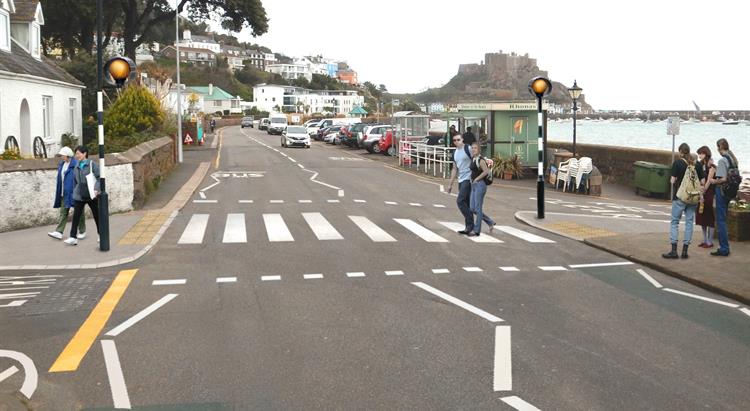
x=226, y=280
x=270, y=278
x=440, y=271
x=482, y=238
x=169, y=282
x=276, y=228
x=439, y=205
x=394, y=272
x=420, y=231
x=510, y=268
x=375, y=233
x=519, y=404
x=195, y=230
x=357, y=274
x=234, y=230
x=312, y=276
x=391, y=203
x=321, y=227
x=523, y=235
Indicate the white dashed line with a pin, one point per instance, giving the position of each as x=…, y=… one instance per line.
x=245, y=201
x=509, y=268
x=276, y=201
x=552, y=268
x=519, y=404
x=333, y=201
x=360, y=201
x=472, y=269
x=305, y=201
x=205, y=201
x=650, y=279
x=226, y=280
x=312, y=276
x=440, y=271
x=438, y=205
x=600, y=264
x=396, y=272
x=169, y=282
x=746, y=311
x=466, y=306
x=357, y=274
x=415, y=204
x=698, y=297
x=391, y=203
x=270, y=278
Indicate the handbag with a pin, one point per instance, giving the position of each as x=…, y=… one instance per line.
x=91, y=181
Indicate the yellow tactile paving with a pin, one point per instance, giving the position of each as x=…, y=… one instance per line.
x=579, y=230
x=145, y=229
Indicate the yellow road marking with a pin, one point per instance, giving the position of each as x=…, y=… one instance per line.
x=70, y=358
x=218, y=152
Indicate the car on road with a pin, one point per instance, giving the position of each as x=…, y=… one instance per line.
x=247, y=122
x=264, y=123
x=372, y=136
x=295, y=136
x=278, y=124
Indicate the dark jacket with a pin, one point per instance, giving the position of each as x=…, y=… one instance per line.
x=81, y=192
x=65, y=185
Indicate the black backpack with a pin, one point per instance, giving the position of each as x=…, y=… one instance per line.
x=732, y=185
x=489, y=177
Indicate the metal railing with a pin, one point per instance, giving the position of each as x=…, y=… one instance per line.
x=427, y=158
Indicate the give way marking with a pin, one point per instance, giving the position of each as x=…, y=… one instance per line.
x=32, y=377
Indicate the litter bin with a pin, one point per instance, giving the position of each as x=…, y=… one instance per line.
x=651, y=178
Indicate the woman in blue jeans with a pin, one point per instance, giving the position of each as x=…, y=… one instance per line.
x=479, y=170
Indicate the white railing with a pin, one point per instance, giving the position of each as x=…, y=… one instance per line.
x=427, y=158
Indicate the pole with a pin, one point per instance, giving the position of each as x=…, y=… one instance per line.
x=103, y=225
x=671, y=186
x=575, y=111
x=179, y=91
x=540, y=166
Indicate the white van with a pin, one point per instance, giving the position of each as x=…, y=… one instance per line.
x=278, y=123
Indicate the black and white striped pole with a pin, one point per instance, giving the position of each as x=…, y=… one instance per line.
x=540, y=86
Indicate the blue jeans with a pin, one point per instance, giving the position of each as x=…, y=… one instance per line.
x=478, y=190
x=464, y=203
x=721, y=221
x=678, y=207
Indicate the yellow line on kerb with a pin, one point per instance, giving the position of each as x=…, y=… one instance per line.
x=218, y=152
x=73, y=354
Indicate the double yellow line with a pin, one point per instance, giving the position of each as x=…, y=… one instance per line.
x=70, y=358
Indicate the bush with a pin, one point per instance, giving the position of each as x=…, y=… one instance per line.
x=136, y=110
x=69, y=140
x=11, y=155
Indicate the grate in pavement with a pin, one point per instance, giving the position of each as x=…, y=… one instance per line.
x=68, y=294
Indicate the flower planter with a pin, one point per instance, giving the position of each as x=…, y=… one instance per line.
x=507, y=175
x=738, y=225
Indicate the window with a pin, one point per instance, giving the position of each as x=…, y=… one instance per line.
x=217, y=103
x=47, y=116
x=34, y=41
x=72, y=108
x=4, y=30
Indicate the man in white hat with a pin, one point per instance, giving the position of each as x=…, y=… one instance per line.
x=64, y=194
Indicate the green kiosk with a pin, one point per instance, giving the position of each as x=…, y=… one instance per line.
x=512, y=127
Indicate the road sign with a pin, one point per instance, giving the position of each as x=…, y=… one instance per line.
x=673, y=126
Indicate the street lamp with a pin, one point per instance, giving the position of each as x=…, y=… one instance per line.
x=575, y=93
x=540, y=86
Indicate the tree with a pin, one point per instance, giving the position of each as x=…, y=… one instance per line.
x=136, y=110
x=71, y=25
x=409, y=106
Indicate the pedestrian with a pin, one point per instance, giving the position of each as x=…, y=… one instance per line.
x=479, y=172
x=469, y=137
x=725, y=163
x=462, y=171
x=64, y=194
x=81, y=193
x=213, y=124
x=452, y=131
x=705, y=217
x=684, y=167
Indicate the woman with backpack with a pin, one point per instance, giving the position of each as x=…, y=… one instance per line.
x=481, y=177
x=82, y=195
x=687, y=181
x=705, y=217
x=726, y=183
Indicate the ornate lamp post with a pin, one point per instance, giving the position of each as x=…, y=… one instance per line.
x=539, y=87
x=575, y=93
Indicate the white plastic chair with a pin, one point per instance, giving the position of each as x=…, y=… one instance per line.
x=585, y=166
x=566, y=170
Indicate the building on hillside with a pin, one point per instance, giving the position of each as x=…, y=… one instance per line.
x=37, y=98
x=202, y=99
x=292, y=71
x=324, y=66
x=201, y=57
x=272, y=97
x=196, y=41
x=116, y=47
x=435, y=108
x=347, y=77
x=255, y=58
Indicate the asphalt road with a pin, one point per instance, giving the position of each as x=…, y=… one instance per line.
x=321, y=279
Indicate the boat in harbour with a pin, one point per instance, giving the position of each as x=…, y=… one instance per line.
x=730, y=122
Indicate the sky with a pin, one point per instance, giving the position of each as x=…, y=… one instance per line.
x=628, y=55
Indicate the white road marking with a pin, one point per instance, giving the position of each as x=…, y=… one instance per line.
x=698, y=297
x=415, y=204
x=312, y=276
x=23, y=288
x=276, y=201
x=141, y=315
x=420, y=231
x=552, y=268
x=503, y=372
x=205, y=201
x=14, y=303
x=439, y=205
x=484, y=238
x=360, y=201
x=234, y=230
x=440, y=271
x=169, y=282
x=202, y=194
x=391, y=203
x=519, y=404
x=321, y=227
x=341, y=193
x=394, y=272
x=375, y=233
x=355, y=275
x=32, y=376
x=245, y=201
x=276, y=228
x=600, y=264
x=509, y=268
x=333, y=201
x=270, y=278
x=466, y=306
x=226, y=280
x=195, y=230
x=292, y=160
x=650, y=279
x=7, y=373
x=13, y=296
x=746, y=311
x=300, y=166
x=523, y=235
x=305, y=201
x=117, y=385
x=472, y=269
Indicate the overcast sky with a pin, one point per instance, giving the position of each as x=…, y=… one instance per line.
x=637, y=55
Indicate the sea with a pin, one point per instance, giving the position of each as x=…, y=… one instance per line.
x=654, y=135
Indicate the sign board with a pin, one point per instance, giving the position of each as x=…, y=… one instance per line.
x=501, y=106
x=396, y=102
x=673, y=126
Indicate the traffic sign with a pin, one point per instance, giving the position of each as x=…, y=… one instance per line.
x=673, y=126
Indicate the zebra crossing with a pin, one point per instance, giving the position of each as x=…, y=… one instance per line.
x=235, y=229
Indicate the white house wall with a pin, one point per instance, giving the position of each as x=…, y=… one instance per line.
x=14, y=89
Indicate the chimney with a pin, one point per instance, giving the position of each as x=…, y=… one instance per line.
x=210, y=89
x=186, y=35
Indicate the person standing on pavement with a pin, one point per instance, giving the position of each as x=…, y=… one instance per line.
x=462, y=171
x=479, y=172
x=64, y=193
x=727, y=161
x=81, y=194
x=469, y=137
x=679, y=169
x=705, y=217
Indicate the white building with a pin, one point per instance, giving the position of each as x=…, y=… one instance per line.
x=203, y=99
x=37, y=98
x=116, y=47
x=269, y=97
x=291, y=71
x=192, y=41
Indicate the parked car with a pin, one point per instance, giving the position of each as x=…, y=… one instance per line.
x=371, y=137
x=247, y=122
x=353, y=136
x=264, y=123
x=278, y=124
x=313, y=126
x=331, y=135
x=295, y=136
